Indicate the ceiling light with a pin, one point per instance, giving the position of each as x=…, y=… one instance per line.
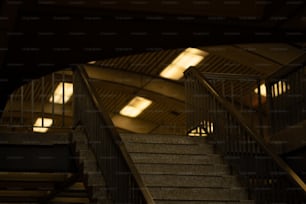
x=62, y=88
x=204, y=128
x=263, y=91
x=92, y=62
x=42, y=124
x=136, y=106
x=189, y=57
x=278, y=88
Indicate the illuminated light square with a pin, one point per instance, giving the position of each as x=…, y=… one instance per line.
x=136, y=106
x=42, y=125
x=62, y=88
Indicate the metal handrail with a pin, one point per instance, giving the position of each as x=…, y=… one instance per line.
x=289, y=171
x=114, y=135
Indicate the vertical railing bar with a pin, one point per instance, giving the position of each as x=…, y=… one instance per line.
x=22, y=106
x=32, y=102
x=63, y=100
x=260, y=110
x=52, y=95
x=11, y=109
x=42, y=100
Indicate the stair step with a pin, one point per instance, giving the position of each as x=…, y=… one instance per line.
x=190, y=181
x=169, y=148
x=161, y=139
x=204, y=202
x=213, y=194
x=183, y=169
x=176, y=158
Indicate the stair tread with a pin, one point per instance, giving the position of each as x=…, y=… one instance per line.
x=203, y=202
x=169, y=148
x=183, y=169
x=161, y=139
x=176, y=158
x=198, y=194
x=224, y=181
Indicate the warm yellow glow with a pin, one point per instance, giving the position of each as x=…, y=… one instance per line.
x=58, y=93
x=263, y=91
x=92, y=62
x=189, y=57
x=279, y=88
x=203, y=129
x=42, y=125
x=136, y=106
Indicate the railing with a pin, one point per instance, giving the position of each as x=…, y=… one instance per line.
x=35, y=99
x=239, y=90
x=268, y=178
x=124, y=184
x=287, y=97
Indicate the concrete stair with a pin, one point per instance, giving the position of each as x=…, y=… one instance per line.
x=94, y=180
x=183, y=170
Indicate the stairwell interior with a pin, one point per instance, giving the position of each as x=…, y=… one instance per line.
x=84, y=159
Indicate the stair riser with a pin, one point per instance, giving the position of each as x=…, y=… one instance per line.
x=170, y=149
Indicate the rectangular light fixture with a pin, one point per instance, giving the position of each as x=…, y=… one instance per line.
x=263, y=91
x=42, y=125
x=203, y=129
x=189, y=57
x=278, y=88
x=63, y=88
x=136, y=106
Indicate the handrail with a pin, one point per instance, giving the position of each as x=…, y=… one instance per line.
x=147, y=197
x=292, y=175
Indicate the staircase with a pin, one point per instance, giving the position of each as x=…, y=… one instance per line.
x=48, y=168
x=180, y=169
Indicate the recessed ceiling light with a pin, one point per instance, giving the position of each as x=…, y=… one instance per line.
x=278, y=88
x=263, y=91
x=136, y=106
x=42, y=125
x=189, y=57
x=203, y=129
x=63, y=88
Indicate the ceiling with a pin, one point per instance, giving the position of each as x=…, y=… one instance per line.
x=131, y=42
x=118, y=80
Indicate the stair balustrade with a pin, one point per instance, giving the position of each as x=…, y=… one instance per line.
x=268, y=178
x=286, y=93
x=122, y=180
